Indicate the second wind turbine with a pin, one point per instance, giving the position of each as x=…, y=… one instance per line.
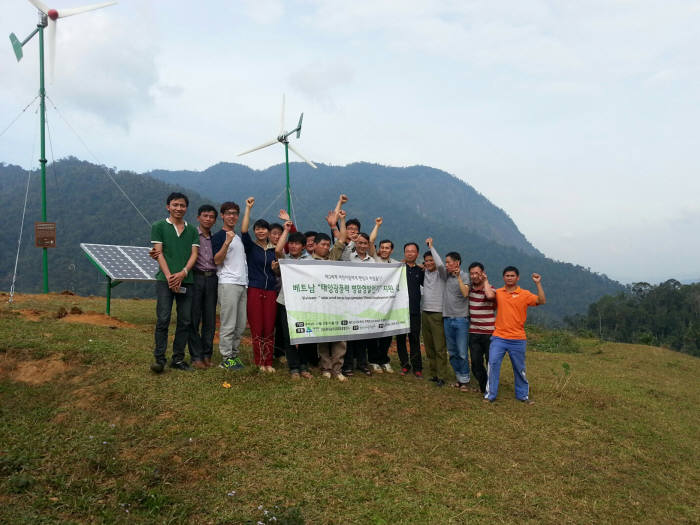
x=283, y=138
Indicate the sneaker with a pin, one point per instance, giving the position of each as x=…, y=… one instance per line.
x=157, y=368
x=404, y=371
x=419, y=375
x=294, y=376
x=327, y=375
x=181, y=365
x=527, y=401
x=376, y=368
x=270, y=370
x=387, y=368
x=227, y=364
x=306, y=374
x=440, y=382
x=365, y=370
x=237, y=364
x=347, y=373
x=341, y=378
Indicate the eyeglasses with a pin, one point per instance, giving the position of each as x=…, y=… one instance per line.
x=231, y=213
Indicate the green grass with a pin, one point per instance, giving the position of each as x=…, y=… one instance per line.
x=612, y=438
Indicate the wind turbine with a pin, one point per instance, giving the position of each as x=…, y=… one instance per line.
x=47, y=18
x=283, y=137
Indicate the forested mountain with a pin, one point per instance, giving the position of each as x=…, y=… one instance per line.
x=414, y=195
x=87, y=207
x=415, y=202
x=664, y=315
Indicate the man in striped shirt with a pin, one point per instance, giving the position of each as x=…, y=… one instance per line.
x=482, y=317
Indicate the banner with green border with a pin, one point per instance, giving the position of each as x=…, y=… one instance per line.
x=341, y=301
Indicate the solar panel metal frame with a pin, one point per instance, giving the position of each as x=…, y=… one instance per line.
x=96, y=255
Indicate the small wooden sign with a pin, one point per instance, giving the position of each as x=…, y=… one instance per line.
x=45, y=234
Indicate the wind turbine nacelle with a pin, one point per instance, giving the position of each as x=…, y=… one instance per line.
x=17, y=46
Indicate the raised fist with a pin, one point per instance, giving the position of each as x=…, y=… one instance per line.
x=288, y=226
x=250, y=201
x=343, y=198
x=378, y=221
x=429, y=242
x=536, y=278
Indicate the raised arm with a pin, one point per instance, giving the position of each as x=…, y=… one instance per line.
x=489, y=291
x=537, y=279
x=464, y=288
x=373, y=235
x=338, y=206
x=249, y=202
x=343, y=233
x=279, y=249
x=221, y=254
x=439, y=265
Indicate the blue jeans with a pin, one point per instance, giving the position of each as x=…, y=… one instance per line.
x=516, y=352
x=457, y=339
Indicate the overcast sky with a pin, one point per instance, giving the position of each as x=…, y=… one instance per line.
x=579, y=119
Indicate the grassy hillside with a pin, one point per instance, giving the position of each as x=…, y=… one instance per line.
x=88, y=434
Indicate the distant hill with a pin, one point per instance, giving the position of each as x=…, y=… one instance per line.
x=87, y=207
x=413, y=195
x=415, y=202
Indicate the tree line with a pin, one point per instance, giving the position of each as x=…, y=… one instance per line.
x=667, y=314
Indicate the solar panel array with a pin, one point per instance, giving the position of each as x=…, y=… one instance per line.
x=123, y=263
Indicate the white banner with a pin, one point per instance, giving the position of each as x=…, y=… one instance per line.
x=340, y=301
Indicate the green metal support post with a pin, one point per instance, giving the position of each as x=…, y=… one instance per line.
x=42, y=160
x=110, y=284
x=286, y=163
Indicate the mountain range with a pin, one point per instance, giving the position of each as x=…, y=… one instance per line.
x=416, y=202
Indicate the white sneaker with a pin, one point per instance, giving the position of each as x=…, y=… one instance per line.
x=327, y=375
x=376, y=368
x=341, y=378
x=269, y=369
x=387, y=368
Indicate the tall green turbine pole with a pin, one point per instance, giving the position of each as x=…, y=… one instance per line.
x=42, y=99
x=286, y=163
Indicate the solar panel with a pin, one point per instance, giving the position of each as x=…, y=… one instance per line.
x=122, y=263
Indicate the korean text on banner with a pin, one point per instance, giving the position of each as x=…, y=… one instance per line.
x=340, y=301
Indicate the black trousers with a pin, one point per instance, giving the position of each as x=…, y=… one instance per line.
x=296, y=360
x=416, y=362
x=164, y=305
x=204, y=295
x=380, y=352
x=479, y=353
x=280, y=330
x=358, y=351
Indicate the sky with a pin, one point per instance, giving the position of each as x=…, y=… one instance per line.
x=579, y=119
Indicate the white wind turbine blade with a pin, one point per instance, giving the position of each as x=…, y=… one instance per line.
x=40, y=6
x=282, y=117
x=78, y=10
x=302, y=156
x=51, y=44
x=270, y=143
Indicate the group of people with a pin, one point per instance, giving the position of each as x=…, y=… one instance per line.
x=459, y=314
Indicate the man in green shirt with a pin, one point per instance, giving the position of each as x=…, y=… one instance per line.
x=177, y=243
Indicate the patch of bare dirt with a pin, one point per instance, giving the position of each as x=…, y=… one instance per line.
x=30, y=315
x=34, y=372
x=96, y=319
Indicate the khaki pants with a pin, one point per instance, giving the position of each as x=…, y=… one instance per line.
x=331, y=355
x=435, y=345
